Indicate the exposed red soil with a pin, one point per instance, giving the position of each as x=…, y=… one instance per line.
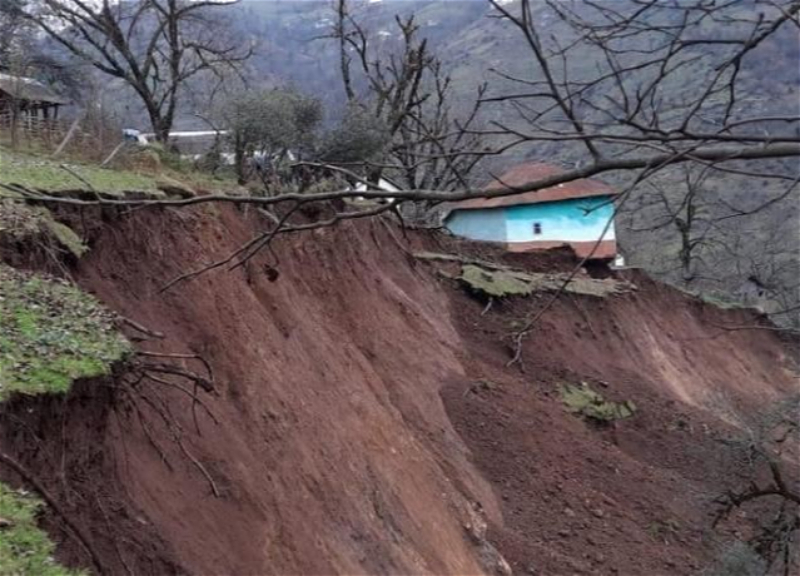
x=635, y=497
x=605, y=250
x=351, y=437
x=333, y=455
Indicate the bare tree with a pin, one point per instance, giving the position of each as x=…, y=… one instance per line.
x=12, y=28
x=154, y=46
x=635, y=88
x=769, y=446
x=692, y=227
x=686, y=214
x=408, y=91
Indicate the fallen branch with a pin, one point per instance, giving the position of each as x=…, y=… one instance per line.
x=77, y=176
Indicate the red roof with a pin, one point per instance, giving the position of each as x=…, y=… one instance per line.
x=528, y=172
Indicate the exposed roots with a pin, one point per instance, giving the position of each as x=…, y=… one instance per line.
x=143, y=392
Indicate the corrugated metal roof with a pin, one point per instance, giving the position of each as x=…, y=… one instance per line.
x=522, y=174
x=22, y=88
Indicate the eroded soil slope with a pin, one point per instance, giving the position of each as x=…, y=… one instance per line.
x=348, y=435
x=634, y=497
x=332, y=452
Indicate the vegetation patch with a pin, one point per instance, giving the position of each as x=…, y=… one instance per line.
x=25, y=549
x=51, y=333
x=501, y=282
x=586, y=402
x=44, y=174
x=21, y=223
x=64, y=235
x=494, y=283
x=18, y=221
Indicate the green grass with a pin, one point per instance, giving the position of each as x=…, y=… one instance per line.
x=21, y=222
x=51, y=334
x=38, y=171
x=586, y=402
x=43, y=173
x=25, y=549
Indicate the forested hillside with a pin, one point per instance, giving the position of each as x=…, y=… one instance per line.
x=730, y=247
x=730, y=234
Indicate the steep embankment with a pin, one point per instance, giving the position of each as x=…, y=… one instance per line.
x=348, y=435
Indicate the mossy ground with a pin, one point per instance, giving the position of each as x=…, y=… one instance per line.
x=25, y=223
x=589, y=403
x=51, y=333
x=500, y=283
x=25, y=549
x=37, y=170
x=43, y=173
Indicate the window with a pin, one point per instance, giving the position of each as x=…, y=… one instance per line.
x=537, y=228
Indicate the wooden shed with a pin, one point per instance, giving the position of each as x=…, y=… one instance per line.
x=27, y=97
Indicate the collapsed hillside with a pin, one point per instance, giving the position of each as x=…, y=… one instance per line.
x=363, y=418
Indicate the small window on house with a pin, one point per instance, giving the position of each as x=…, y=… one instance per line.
x=537, y=227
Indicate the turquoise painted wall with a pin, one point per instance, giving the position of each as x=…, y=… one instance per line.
x=565, y=220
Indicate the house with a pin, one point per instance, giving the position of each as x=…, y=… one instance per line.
x=579, y=214
x=29, y=98
x=384, y=185
x=192, y=143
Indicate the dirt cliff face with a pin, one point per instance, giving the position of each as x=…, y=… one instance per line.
x=346, y=434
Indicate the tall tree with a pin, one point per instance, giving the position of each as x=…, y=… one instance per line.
x=408, y=91
x=154, y=46
x=11, y=29
x=270, y=123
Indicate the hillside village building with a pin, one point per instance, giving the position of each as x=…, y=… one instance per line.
x=579, y=214
x=28, y=98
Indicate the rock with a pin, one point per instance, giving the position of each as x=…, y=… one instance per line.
x=564, y=533
x=598, y=513
x=5, y=523
x=173, y=187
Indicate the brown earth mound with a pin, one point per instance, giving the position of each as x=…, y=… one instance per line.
x=348, y=434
